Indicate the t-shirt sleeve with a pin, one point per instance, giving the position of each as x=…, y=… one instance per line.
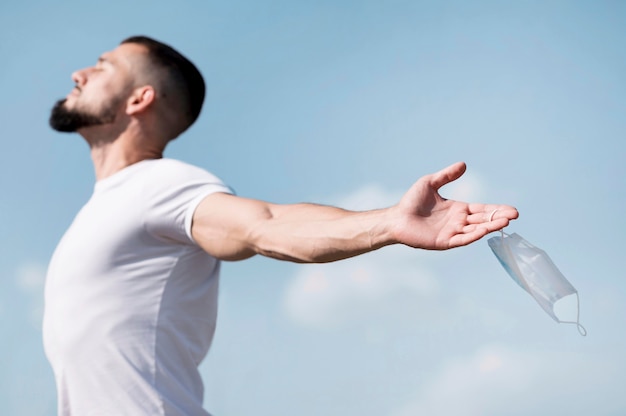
x=172, y=196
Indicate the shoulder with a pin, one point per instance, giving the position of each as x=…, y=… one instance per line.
x=165, y=173
x=170, y=192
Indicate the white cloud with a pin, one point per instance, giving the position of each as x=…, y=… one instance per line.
x=368, y=197
x=469, y=188
x=460, y=386
x=500, y=380
x=332, y=295
x=30, y=277
x=335, y=294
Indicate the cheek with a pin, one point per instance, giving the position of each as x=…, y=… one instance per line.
x=97, y=97
x=101, y=94
x=109, y=103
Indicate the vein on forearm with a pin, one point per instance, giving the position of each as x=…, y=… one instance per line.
x=336, y=234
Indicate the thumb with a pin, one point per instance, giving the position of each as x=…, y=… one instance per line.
x=447, y=175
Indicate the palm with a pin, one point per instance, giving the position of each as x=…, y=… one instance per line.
x=426, y=220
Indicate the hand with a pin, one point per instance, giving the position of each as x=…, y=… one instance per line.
x=423, y=219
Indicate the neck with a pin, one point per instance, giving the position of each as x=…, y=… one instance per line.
x=112, y=153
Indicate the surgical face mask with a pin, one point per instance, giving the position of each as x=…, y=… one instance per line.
x=534, y=271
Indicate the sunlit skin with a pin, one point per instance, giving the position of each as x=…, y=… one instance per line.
x=235, y=228
x=134, y=134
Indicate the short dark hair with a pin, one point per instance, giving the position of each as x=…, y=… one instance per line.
x=181, y=71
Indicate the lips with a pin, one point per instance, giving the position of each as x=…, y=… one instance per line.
x=75, y=92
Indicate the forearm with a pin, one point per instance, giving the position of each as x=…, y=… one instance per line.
x=310, y=233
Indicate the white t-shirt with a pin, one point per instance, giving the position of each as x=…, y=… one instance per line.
x=130, y=299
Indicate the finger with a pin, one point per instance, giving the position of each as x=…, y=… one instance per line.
x=476, y=233
x=487, y=217
x=486, y=227
x=472, y=233
x=447, y=175
x=481, y=213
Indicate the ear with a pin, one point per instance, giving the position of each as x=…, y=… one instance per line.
x=140, y=99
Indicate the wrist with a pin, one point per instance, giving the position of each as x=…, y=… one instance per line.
x=384, y=232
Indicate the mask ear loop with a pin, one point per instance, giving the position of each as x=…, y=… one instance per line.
x=581, y=329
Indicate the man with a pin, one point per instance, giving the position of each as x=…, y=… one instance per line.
x=131, y=291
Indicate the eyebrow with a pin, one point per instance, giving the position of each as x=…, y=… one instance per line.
x=102, y=59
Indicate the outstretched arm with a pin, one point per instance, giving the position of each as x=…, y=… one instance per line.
x=234, y=228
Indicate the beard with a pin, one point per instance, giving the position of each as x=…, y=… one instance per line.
x=69, y=121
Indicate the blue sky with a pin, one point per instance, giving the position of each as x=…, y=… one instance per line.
x=348, y=103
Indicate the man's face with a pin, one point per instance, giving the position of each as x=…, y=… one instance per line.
x=100, y=94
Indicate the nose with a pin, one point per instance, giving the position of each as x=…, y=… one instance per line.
x=80, y=76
